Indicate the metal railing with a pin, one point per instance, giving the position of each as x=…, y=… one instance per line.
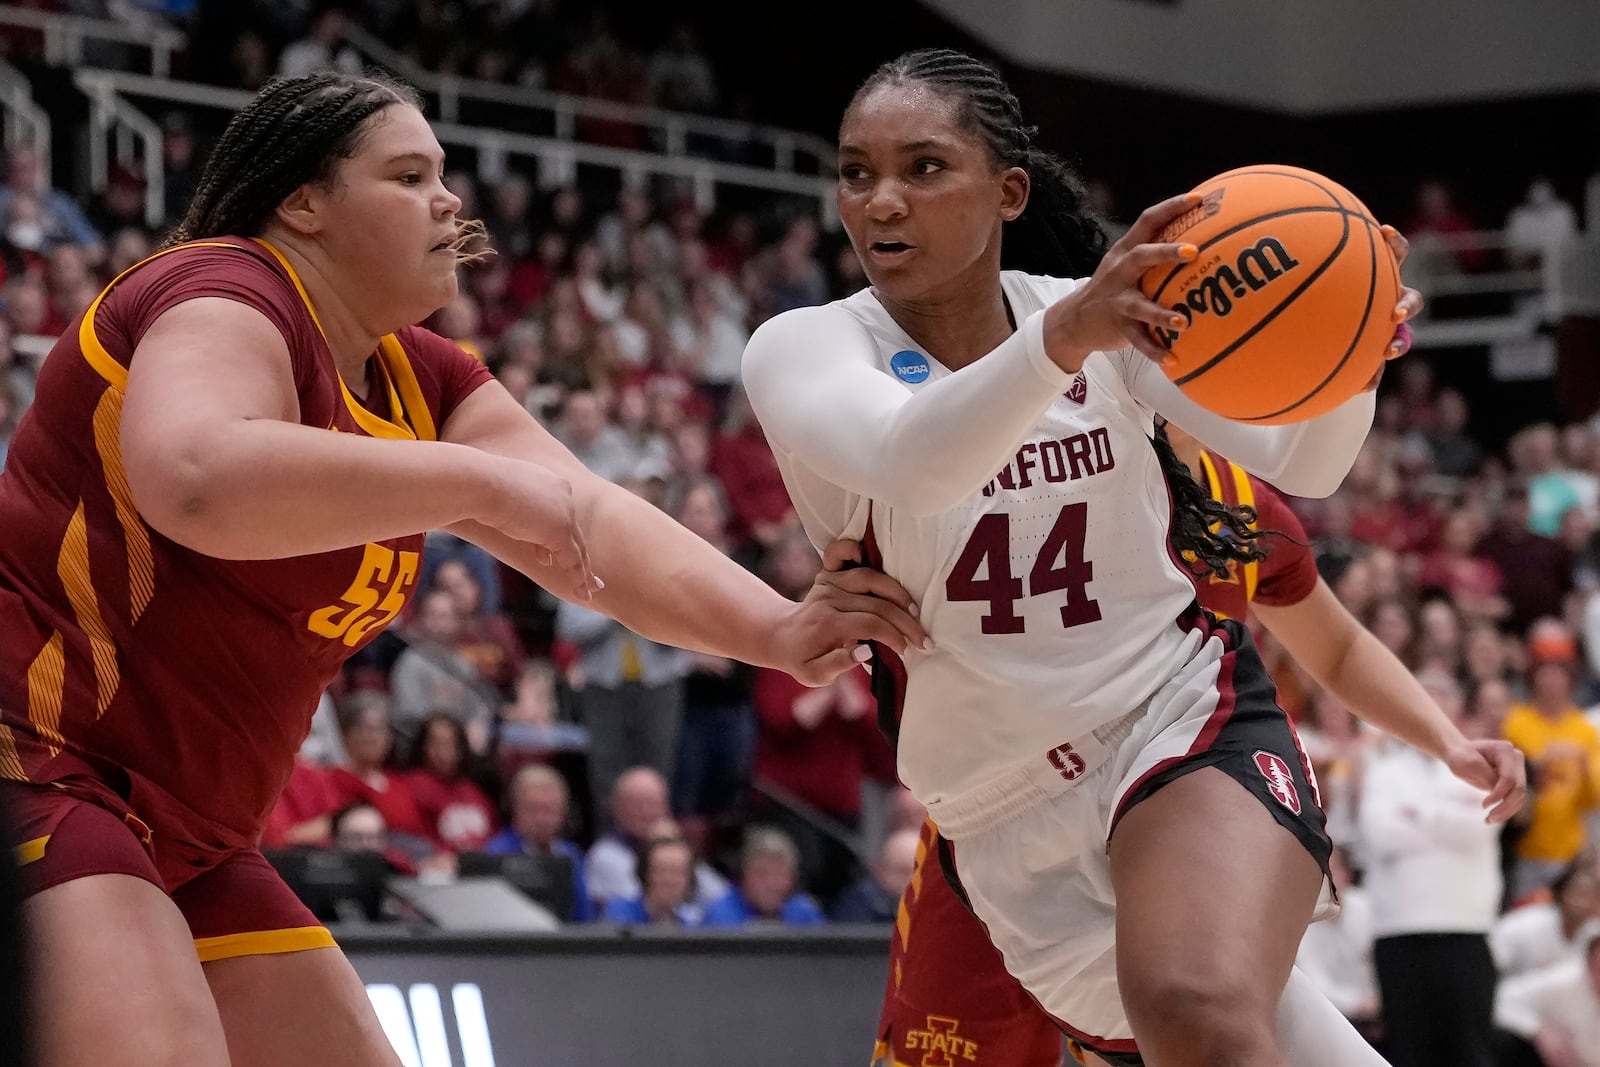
x=136, y=140
x=674, y=131
x=26, y=123
x=65, y=36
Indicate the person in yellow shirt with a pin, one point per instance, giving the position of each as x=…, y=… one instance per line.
x=1563, y=752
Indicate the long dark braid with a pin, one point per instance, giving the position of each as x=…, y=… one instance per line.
x=296, y=130
x=1059, y=234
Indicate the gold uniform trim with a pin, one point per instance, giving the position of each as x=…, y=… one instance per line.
x=31, y=851
x=73, y=567
x=263, y=943
x=10, y=762
x=393, y=366
x=47, y=676
x=135, y=535
x=104, y=364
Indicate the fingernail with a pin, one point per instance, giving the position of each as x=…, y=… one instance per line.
x=1401, y=314
x=599, y=583
x=927, y=643
x=915, y=610
x=1193, y=198
x=1176, y=322
x=1169, y=360
x=1388, y=230
x=1188, y=251
x=861, y=654
x=1394, y=351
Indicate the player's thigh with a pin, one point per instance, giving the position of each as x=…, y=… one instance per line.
x=292, y=1009
x=116, y=979
x=1213, y=896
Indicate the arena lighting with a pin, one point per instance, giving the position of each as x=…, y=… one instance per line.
x=416, y=1028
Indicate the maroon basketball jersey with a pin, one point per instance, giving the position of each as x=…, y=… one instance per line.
x=186, y=682
x=1289, y=571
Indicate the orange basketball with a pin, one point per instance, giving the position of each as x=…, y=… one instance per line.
x=1290, y=302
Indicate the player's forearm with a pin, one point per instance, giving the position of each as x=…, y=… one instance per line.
x=663, y=582
x=1372, y=682
x=267, y=490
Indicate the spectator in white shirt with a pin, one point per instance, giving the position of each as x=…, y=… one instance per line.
x=1534, y=936
x=1433, y=878
x=1557, y=1009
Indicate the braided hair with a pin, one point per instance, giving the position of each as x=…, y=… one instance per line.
x=296, y=130
x=1059, y=234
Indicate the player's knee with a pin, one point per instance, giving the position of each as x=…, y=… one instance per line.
x=1198, y=1020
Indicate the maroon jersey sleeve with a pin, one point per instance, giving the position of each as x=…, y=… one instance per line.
x=231, y=271
x=446, y=372
x=1289, y=572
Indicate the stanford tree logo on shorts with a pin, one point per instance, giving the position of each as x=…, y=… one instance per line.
x=1279, y=780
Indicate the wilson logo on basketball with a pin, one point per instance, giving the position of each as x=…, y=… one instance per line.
x=1279, y=780
x=1252, y=271
x=1209, y=205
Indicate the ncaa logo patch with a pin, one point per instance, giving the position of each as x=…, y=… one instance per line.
x=1279, y=780
x=910, y=367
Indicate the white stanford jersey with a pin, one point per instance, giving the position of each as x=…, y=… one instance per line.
x=1023, y=508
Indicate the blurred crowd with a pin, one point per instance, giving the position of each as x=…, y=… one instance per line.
x=663, y=786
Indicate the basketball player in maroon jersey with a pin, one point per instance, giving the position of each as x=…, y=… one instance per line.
x=218, y=496
x=948, y=991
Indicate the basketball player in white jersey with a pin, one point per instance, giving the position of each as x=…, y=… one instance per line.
x=1120, y=797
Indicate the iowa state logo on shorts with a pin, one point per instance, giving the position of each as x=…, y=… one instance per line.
x=940, y=1045
x=1279, y=780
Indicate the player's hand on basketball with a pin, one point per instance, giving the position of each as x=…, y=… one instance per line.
x=1409, y=307
x=1109, y=311
x=847, y=605
x=1496, y=767
x=534, y=505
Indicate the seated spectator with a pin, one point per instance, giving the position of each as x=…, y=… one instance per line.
x=1542, y=565
x=456, y=811
x=432, y=675
x=323, y=46
x=638, y=806
x=366, y=776
x=1455, y=569
x=666, y=895
x=1531, y=937
x=1563, y=751
x=875, y=896
x=769, y=869
x=59, y=217
x=1456, y=453
x=538, y=810
x=742, y=460
x=1556, y=1011
x=487, y=639
x=303, y=814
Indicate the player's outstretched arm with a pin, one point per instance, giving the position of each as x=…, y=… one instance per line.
x=217, y=460
x=1349, y=661
x=665, y=583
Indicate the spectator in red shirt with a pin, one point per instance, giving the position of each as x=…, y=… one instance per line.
x=455, y=810
x=367, y=773
x=816, y=746
x=743, y=462
x=1542, y=566
x=1472, y=582
x=304, y=812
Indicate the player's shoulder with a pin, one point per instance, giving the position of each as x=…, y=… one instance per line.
x=1031, y=292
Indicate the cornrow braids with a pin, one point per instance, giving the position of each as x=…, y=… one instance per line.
x=1212, y=534
x=1058, y=234
x=296, y=130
